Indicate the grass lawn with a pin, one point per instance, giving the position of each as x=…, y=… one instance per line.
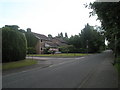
x=17, y=64
x=117, y=65
x=59, y=55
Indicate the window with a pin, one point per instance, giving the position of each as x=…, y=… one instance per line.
x=41, y=40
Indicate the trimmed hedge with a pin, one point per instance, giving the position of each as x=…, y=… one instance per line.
x=14, y=45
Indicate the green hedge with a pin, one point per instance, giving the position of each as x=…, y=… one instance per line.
x=31, y=50
x=13, y=45
x=31, y=42
x=67, y=49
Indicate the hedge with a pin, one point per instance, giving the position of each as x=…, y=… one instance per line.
x=13, y=45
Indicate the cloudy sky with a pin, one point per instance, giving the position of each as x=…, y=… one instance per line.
x=47, y=16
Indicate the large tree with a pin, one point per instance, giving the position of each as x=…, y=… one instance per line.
x=91, y=39
x=109, y=15
x=31, y=41
x=75, y=41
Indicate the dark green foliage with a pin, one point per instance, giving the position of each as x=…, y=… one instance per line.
x=12, y=27
x=49, y=35
x=75, y=41
x=31, y=50
x=109, y=15
x=66, y=36
x=60, y=35
x=67, y=49
x=31, y=42
x=91, y=39
x=21, y=30
x=13, y=44
x=46, y=51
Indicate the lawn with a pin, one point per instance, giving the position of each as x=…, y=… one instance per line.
x=17, y=64
x=59, y=55
x=117, y=65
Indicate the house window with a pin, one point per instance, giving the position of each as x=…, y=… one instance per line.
x=41, y=48
x=41, y=40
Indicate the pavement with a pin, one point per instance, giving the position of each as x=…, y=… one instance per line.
x=93, y=71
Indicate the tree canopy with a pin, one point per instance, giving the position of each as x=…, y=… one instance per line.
x=31, y=41
x=89, y=40
x=109, y=15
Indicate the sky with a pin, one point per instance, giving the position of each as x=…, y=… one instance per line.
x=47, y=16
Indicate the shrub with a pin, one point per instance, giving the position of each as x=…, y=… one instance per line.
x=46, y=51
x=67, y=49
x=31, y=50
x=13, y=45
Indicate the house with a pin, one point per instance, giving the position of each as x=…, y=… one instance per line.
x=59, y=41
x=46, y=42
x=40, y=46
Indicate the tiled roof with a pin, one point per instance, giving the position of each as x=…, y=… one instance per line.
x=52, y=44
x=60, y=39
x=41, y=36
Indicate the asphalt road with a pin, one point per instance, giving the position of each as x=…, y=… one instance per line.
x=93, y=71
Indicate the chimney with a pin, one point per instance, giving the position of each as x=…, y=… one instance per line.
x=28, y=29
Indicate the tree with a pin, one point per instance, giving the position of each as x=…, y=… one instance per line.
x=75, y=41
x=61, y=35
x=66, y=36
x=14, y=44
x=91, y=40
x=67, y=49
x=108, y=14
x=31, y=42
x=49, y=35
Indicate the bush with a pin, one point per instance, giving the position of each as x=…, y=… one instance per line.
x=31, y=50
x=71, y=49
x=13, y=45
x=67, y=49
x=46, y=51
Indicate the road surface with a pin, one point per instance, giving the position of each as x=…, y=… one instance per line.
x=93, y=71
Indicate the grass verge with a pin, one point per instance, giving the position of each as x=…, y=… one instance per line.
x=59, y=55
x=117, y=65
x=17, y=64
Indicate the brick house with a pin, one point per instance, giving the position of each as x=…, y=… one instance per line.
x=46, y=42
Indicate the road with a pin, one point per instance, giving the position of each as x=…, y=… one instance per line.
x=93, y=71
